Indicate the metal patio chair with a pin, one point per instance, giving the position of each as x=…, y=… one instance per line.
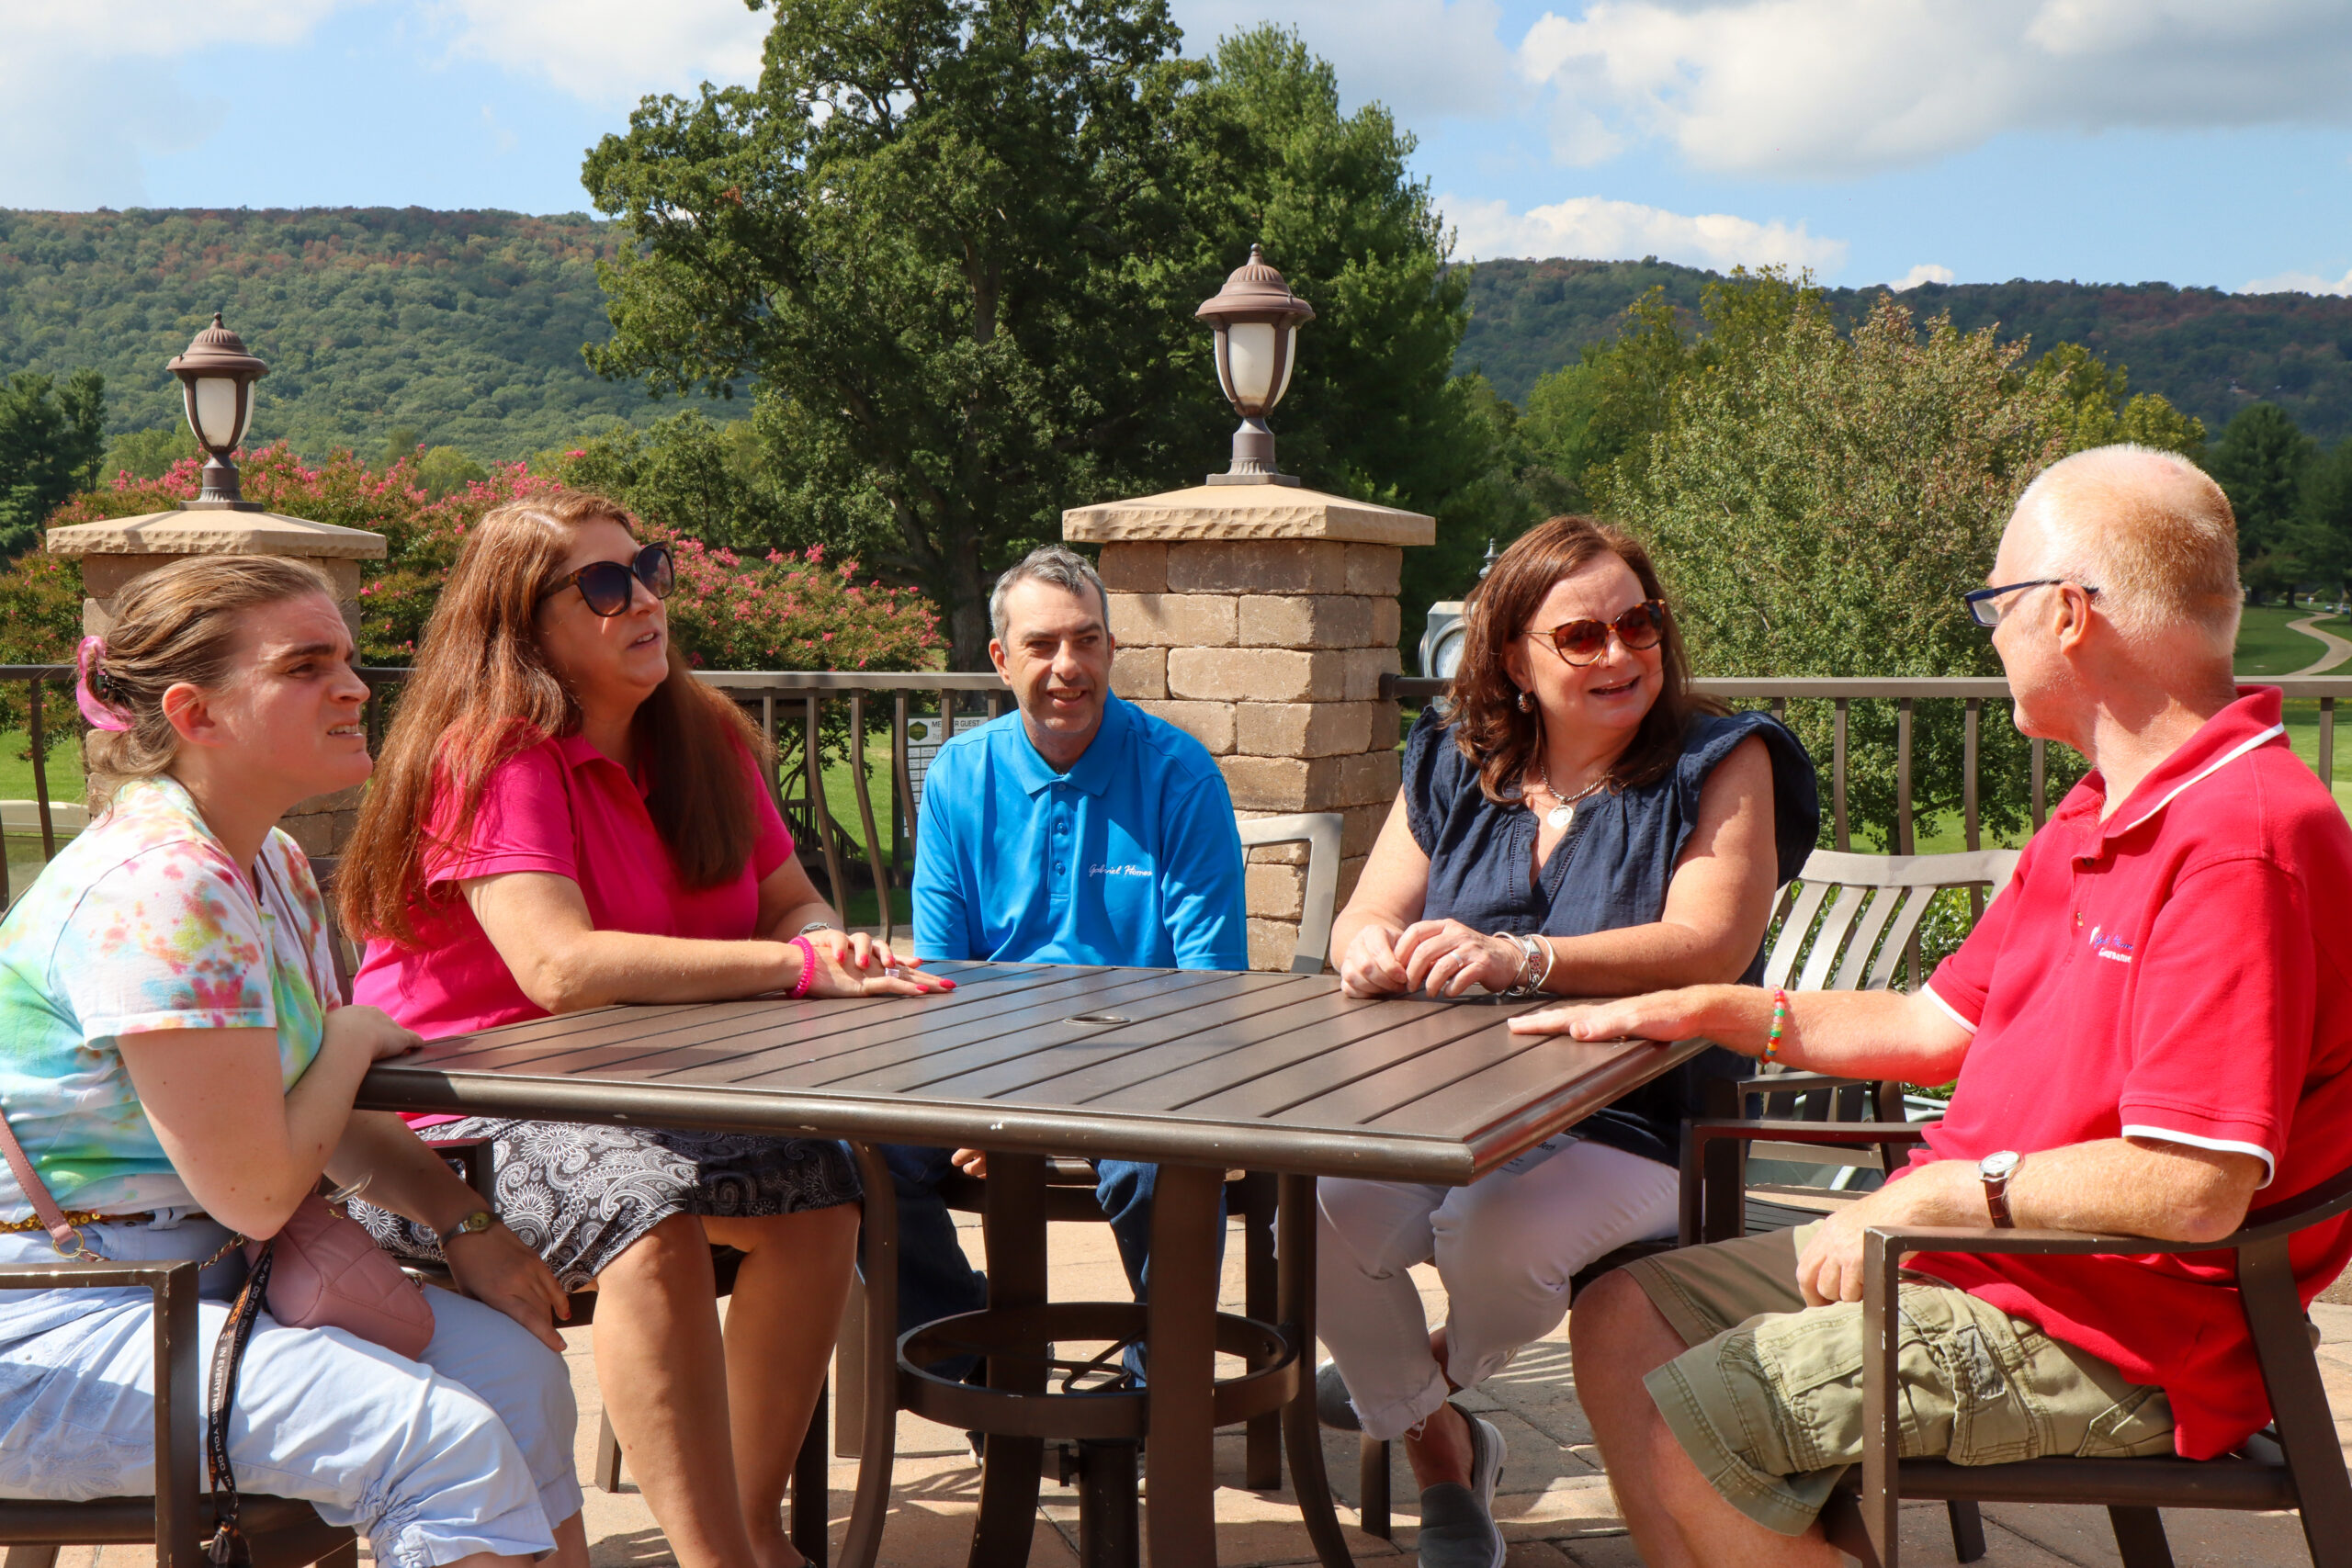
x=1846, y=924
x=284, y=1532
x=2297, y=1463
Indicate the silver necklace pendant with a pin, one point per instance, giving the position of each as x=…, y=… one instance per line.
x=1560, y=816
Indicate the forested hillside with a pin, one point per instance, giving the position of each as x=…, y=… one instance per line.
x=2210, y=352
x=465, y=327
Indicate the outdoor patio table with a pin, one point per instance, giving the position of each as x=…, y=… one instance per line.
x=1198, y=1070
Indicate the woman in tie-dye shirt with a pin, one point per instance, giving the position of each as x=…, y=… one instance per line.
x=176, y=1065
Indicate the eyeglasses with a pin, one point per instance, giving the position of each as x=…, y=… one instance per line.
x=608, y=586
x=1988, y=614
x=1582, y=642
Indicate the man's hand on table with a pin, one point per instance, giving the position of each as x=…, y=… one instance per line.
x=1662, y=1016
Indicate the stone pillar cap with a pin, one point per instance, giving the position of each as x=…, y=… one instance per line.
x=1246, y=512
x=215, y=532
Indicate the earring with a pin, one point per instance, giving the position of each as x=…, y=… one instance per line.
x=1527, y=702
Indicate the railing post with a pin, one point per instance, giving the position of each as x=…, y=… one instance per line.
x=1837, y=775
x=866, y=812
x=117, y=551
x=1971, y=716
x=2327, y=743
x=1903, y=777
x=41, y=780
x=902, y=795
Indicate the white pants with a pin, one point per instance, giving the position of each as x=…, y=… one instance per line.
x=1506, y=1246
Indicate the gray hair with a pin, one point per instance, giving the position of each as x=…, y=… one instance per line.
x=1065, y=569
x=2152, y=529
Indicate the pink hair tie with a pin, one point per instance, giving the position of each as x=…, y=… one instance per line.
x=100, y=714
x=807, y=966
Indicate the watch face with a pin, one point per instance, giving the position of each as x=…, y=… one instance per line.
x=1996, y=1167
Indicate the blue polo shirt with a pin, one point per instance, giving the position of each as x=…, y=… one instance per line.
x=1131, y=858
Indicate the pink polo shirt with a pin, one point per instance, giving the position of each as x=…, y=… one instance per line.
x=564, y=808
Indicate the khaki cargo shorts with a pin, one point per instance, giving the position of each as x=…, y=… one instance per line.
x=1768, y=1401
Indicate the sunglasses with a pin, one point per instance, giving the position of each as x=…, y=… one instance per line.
x=608, y=586
x=1581, y=642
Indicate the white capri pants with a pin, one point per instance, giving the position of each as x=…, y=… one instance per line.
x=468, y=1449
x=1506, y=1247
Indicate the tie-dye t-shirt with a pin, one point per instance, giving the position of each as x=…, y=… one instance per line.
x=143, y=923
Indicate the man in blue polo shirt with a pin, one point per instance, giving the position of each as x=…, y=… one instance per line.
x=1079, y=829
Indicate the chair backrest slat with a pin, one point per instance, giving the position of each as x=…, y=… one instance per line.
x=1320, y=832
x=1798, y=910
x=1837, y=928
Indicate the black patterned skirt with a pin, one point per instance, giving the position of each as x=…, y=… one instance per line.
x=579, y=1196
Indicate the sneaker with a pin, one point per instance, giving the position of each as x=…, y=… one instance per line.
x=1332, y=1406
x=1458, y=1528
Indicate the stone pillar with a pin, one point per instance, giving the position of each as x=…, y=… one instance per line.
x=118, y=551
x=1260, y=619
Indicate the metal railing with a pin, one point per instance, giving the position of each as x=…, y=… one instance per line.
x=847, y=712
x=1776, y=692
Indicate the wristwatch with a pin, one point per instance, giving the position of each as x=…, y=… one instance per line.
x=480, y=1220
x=1994, y=1170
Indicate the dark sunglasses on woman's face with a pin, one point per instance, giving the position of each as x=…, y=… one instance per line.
x=1582, y=642
x=606, y=584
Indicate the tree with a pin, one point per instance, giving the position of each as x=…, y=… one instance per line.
x=2323, y=531
x=51, y=438
x=953, y=250
x=149, y=454
x=1818, y=503
x=2259, y=463
x=2102, y=410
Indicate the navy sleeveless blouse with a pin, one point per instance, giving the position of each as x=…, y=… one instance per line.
x=1609, y=872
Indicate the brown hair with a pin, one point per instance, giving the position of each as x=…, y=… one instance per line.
x=483, y=692
x=179, y=623
x=1483, y=712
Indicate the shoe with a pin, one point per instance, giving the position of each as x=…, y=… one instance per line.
x=1332, y=1407
x=1458, y=1528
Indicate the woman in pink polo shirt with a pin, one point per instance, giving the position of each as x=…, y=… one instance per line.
x=563, y=818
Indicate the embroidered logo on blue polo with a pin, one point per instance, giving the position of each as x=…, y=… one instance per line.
x=2112, y=945
x=1118, y=871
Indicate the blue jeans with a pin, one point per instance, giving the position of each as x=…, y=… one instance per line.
x=935, y=1278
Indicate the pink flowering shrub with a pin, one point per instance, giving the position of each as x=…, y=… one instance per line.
x=786, y=612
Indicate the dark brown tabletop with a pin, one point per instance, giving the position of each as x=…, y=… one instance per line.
x=1273, y=1072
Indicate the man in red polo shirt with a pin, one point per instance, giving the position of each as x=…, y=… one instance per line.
x=2149, y=1025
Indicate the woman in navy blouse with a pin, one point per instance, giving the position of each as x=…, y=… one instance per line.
x=1573, y=820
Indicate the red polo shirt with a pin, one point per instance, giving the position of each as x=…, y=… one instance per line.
x=2178, y=972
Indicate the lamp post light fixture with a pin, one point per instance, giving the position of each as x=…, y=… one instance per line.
x=1256, y=318
x=217, y=375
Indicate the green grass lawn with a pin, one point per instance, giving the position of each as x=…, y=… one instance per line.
x=2266, y=646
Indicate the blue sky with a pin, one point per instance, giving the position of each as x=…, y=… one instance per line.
x=2194, y=141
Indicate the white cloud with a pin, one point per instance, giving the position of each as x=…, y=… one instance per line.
x=1592, y=228
x=1829, y=87
x=1422, y=58
x=1925, y=272
x=2299, y=283
x=86, y=86
x=611, y=52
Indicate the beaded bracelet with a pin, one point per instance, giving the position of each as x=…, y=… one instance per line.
x=1779, y=1024
x=807, y=967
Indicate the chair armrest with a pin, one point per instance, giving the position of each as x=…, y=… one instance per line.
x=179, y=1404
x=1715, y=1216
x=476, y=1160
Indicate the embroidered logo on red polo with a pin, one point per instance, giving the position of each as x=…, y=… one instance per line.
x=2110, y=945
